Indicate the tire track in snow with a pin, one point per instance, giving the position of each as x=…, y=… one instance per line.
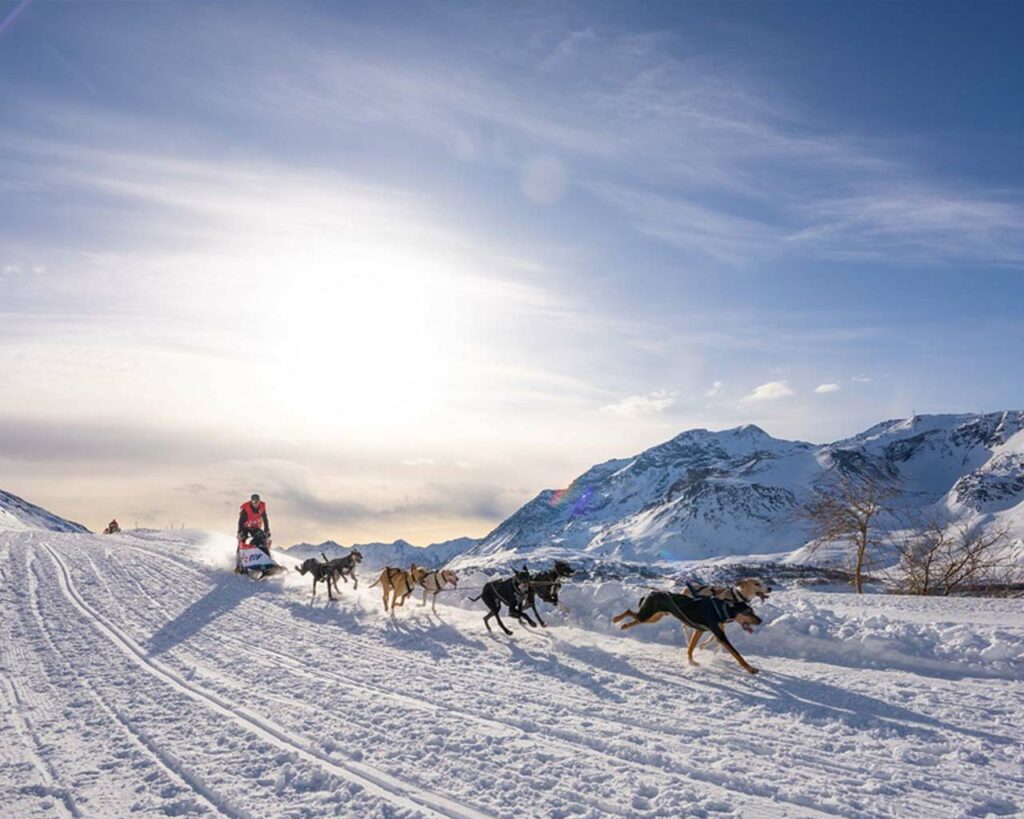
x=174, y=771
x=374, y=781
x=721, y=710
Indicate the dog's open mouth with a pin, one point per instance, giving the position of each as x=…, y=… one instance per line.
x=747, y=628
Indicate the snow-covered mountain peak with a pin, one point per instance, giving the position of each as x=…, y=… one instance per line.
x=707, y=493
x=748, y=431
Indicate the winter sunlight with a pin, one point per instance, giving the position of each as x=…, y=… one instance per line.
x=556, y=410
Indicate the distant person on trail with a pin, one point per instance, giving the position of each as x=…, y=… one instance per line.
x=112, y=528
x=253, y=524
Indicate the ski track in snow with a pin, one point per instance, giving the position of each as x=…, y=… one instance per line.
x=376, y=782
x=162, y=759
x=521, y=727
x=137, y=681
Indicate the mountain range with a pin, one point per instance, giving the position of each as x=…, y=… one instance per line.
x=709, y=494
x=398, y=553
x=706, y=495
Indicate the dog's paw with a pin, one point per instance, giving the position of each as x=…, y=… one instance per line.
x=752, y=670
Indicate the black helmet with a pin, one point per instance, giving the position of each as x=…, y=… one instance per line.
x=255, y=497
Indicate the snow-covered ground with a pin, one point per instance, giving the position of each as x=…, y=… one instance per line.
x=141, y=677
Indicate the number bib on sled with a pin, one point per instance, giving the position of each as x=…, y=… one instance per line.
x=249, y=557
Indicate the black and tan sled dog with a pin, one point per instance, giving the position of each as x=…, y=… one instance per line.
x=703, y=614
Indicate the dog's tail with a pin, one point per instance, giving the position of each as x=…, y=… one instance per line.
x=375, y=583
x=301, y=569
x=474, y=599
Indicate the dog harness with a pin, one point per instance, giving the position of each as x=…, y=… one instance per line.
x=696, y=589
x=717, y=609
x=397, y=573
x=517, y=591
x=679, y=612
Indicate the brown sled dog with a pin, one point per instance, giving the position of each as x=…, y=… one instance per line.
x=398, y=583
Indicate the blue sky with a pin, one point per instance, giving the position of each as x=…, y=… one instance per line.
x=400, y=266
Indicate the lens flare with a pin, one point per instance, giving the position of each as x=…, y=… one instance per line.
x=8, y=21
x=580, y=504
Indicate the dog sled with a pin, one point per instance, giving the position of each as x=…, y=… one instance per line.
x=254, y=560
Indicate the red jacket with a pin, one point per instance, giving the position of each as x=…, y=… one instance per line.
x=251, y=517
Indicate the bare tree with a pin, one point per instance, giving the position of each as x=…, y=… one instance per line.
x=846, y=508
x=940, y=557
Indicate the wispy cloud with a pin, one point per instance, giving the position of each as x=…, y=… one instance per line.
x=771, y=391
x=640, y=406
x=714, y=389
x=824, y=389
x=696, y=228
x=543, y=180
x=791, y=186
x=916, y=222
x=698, y=153
x=7, y=21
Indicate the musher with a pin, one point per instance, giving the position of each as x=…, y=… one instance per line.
x=253, y=524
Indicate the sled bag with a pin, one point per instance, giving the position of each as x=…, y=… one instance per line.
x=249, y=557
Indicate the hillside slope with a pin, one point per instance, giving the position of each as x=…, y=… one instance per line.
x=17, y=514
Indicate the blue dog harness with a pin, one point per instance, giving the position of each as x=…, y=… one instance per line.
x=717, y=609
x=712, y=611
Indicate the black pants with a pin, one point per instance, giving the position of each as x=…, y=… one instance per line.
x=257, y=538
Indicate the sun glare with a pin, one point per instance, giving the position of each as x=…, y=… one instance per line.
x=362, y=335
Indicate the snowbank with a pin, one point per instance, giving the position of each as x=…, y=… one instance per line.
x=843, y=629
x=803, y=629
x=947, y=637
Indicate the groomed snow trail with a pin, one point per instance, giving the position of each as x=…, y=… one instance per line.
x=139, y=678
